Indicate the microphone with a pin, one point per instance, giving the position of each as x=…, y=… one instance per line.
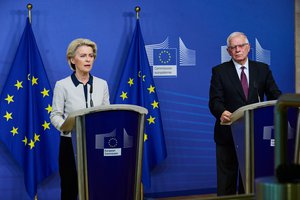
x=91, y=99
x=288, y=173
x=257, y=91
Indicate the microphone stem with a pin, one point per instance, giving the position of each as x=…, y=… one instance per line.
x=91, y=92
x=91, y=100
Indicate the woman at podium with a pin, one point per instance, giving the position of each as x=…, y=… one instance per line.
x=77, y=91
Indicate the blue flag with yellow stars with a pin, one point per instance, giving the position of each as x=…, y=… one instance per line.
x=25, y=106
x=137, y=87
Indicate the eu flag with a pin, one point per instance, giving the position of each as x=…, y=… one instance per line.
x=137, y=87
x=25, y=106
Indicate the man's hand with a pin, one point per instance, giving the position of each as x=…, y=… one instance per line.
x=225, y=117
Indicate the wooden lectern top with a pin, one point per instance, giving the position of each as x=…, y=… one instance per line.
x=69, y=123
x=239, y=113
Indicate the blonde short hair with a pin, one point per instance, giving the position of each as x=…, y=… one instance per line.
x=73, y=46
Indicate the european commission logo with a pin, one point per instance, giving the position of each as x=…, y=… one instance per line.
x=268, y=134
x=165, y=60
x=260, y=54
x=113, y=143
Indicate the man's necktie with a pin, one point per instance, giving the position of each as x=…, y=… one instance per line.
x=244, y=82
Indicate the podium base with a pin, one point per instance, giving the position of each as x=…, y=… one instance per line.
x=268, y=188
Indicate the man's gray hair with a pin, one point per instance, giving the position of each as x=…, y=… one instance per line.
x=234, y=34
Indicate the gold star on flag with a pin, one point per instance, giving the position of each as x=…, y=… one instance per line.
x=36, y=137
x=151, y=120
x=145, y=137
x=151, y=89
x=130, y=82
x=8, y=116
x=25, y=141
x=124, y=95
x=19, y=84
x=154, y=104
x=34, y=80
x=49, y=108
x=45, y=92
x=143, y=76
x=14, y=131
x=9, y=99
x=31, y=144
x=46, y=125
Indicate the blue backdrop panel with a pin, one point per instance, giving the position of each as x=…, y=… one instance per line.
x=196, y=29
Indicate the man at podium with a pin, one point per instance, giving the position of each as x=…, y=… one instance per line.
x=234, y=84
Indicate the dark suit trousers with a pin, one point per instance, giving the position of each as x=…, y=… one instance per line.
x=227, y=171
x=67, y=170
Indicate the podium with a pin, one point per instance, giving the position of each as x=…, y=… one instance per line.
x=253, y=134
x=109, y=143
x=286, y=182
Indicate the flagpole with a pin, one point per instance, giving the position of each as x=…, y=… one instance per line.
x=137, y=10
x=29, y=7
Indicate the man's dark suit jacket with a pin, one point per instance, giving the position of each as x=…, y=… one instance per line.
x=226, y=93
